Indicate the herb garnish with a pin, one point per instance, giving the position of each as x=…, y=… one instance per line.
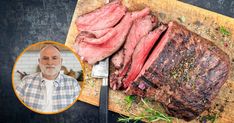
x=224, y=31
x=129, y=100
x=149, y=115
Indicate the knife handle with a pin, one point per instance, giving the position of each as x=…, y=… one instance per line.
x=103, y=111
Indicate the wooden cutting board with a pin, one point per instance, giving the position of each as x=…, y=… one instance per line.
x=204, y=22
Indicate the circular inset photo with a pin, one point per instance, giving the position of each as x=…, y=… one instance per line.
x=47, y=77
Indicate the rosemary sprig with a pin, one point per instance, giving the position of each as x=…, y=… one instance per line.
x=129, y=100
x=155, y=115
x=149, y=114
x=125, y=119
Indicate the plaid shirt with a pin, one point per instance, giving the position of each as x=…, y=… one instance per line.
x=32, y=91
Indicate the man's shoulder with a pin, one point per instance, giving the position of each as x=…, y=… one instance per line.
x=68, y=78
x=33, y=76
x=31, y=79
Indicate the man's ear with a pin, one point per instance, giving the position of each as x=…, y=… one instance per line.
x=61, y=60
x=38, y=60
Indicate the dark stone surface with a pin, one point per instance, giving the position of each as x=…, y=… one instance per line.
x=225, y=7
x=24, y=22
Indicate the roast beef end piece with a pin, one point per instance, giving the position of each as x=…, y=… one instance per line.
x=187, y=70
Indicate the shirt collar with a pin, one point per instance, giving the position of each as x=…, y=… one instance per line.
x=57, y=81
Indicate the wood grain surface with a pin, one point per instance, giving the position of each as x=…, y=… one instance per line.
x=203, y=22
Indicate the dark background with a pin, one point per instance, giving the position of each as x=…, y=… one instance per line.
x=23, y=22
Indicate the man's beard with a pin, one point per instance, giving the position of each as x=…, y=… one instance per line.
x=50, y=70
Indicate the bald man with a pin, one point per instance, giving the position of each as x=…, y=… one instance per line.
x=48, y=90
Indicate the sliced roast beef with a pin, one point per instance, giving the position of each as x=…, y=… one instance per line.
x=93, y=53
x=104, y=17
x=140, y=27
x=121, y=59
x=140, y=54
x=184, y=73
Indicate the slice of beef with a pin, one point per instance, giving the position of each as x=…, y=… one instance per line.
x=104, y=17
x=100, y=40
x=98, y=33
x=93, y=53
x=184, y=73
x=140, y=28
x=121, y=59
x=140, y=54
x=118, y=59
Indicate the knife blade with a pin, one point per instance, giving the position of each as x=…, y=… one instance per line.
x=101, y=70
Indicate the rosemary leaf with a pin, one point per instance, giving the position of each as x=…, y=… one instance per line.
x=129, y=100
x=224, y=31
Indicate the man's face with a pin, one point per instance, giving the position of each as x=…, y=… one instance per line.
x=50, y=61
